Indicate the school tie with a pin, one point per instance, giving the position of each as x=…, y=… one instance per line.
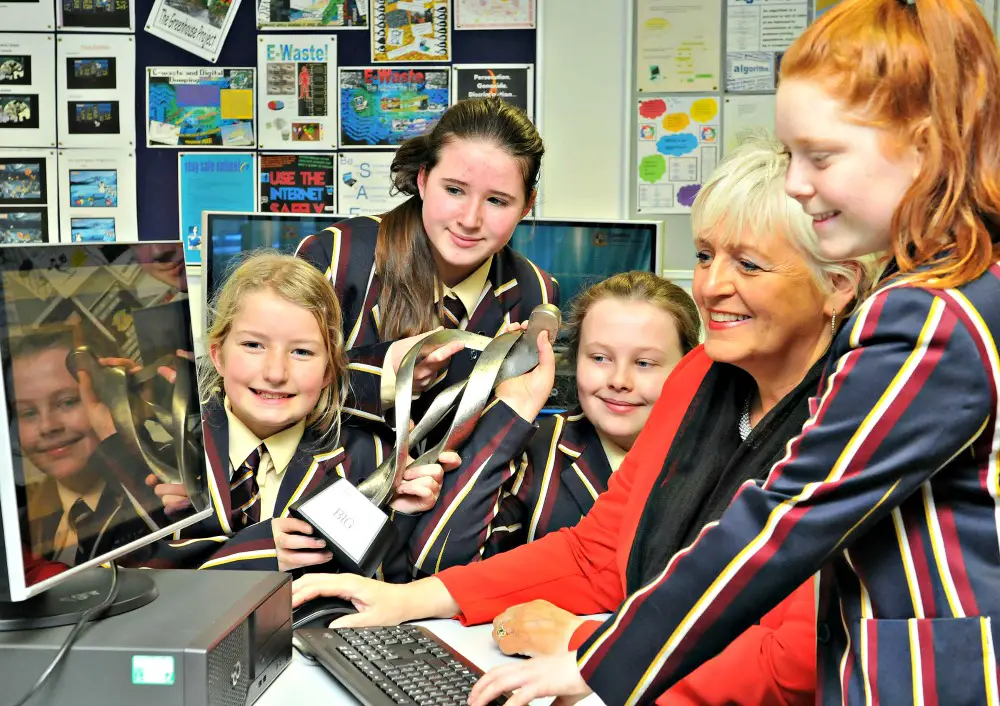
x=454, y=312
x=243, y=490
x=85, y=523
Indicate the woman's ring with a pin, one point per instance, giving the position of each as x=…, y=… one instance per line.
x=501, y=633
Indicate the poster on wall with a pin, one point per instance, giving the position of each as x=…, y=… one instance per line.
x=103, y=15
x=96, y=79
x=296, y=105
x=742, y=115
x=197, y=26
x=383, y=107
x=364, y=187
x=677, y=46
x=412, y=30
x=200, y=107
x=513, y=83
x=489, y=14
x=297, y=183
x=757, y=34
x=27, y=92
x=220, y=181
x=27, y=15
x=28, y=206
x=312, y=14
x=678, y=147
x=97, y=196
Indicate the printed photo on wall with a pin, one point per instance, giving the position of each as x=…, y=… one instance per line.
x=296, y=99
x=220, y=181
x=412, y=31
x=192, y=107
x=489, y=14
x=27, y=15
x=27, y=91
x=383, y=107
x=513, y=83
x=297, y=183
x=95, y=78
x=97, y=188
x=197, y=26
x=103, y=15
x=364, y=186
x=312, y=14
x=28, y=185
x=19, y=226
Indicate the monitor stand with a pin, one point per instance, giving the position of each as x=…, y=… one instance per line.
x=65, y=603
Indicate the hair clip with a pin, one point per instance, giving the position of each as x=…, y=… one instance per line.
x=908, y=3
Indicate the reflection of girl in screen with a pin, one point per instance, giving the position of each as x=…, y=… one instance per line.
x=91, y=500
x=441, y=257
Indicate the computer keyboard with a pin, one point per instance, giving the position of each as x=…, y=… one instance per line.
x=390, y=666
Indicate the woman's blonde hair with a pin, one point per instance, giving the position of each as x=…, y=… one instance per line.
x=297, y=282
x=643, y=287
x=745, y=195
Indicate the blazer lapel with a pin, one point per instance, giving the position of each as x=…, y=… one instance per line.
x=305, y=471
x=500, y=296
x=216, y=436
x=586, y=469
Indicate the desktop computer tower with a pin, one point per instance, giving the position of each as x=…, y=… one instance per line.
x=211, y=638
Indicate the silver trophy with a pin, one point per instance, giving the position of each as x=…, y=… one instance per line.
x=353, y=520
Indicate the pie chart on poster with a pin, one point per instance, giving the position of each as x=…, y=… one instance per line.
x=276, y=105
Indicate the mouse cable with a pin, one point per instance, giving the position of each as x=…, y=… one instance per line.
x=87, y=616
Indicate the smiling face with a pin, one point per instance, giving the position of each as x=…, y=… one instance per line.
x=53, y=426
x=842, y=172
x=627, y=350
x=273, y=363
x=472, y=200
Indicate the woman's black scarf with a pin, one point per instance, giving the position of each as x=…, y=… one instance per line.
x=707, y=463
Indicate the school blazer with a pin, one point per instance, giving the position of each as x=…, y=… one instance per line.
x=583, y=569
x=345, y=253
x=551, y=485
x=129, y=509
x=891, y=490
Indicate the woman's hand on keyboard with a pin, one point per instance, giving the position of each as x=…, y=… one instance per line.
x=378, y=603
x=536, y=678
x=534, y=628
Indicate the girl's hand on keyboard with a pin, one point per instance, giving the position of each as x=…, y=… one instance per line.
x=378, y=603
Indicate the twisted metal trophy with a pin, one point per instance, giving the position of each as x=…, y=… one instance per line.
x=351, y=519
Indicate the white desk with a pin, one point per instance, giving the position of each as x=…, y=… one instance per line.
x=304, y=682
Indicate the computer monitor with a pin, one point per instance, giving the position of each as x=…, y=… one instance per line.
x=101, y=401
x=229, y=234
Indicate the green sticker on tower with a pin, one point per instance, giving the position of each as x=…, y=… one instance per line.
x=153, y=669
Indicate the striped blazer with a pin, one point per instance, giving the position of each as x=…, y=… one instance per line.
x=345, y=253
x=892, y=491
x=551, y=485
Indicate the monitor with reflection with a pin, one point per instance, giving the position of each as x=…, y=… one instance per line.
x=101, y=406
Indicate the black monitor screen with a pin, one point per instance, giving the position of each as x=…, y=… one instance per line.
x=101, y=400
x=229, y=234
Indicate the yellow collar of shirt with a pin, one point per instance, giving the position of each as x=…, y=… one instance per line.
x=67, y=497
x=468, y=290
x=614, y=452
x=281, y=446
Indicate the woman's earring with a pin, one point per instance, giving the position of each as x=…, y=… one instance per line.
x=833, y=324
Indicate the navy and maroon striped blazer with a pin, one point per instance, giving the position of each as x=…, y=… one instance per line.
x=552, y=485
x=891, y=491
x=345, y=253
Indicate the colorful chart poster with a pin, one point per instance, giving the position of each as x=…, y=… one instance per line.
x=103, y=15
x=197, y=26
x=297, y=106
x=677, y=46
x=823, y=6
x=27, y=15
x=297, y=183
x=27, y=92
x=97, y=196
x=490, y=14
x=364, y=186
x=221, y=181
x=28, y=206
x=742, y=115
x=96, y=79
x=411, y=30
x=513, y=83
x=199, y=107
x=312, y=14
x=383, y=107
x=757, y=34
x=678, y=147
